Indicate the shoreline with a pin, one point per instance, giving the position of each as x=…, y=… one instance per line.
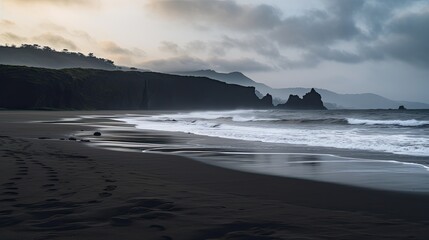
x=290, y=161
x=108, y=194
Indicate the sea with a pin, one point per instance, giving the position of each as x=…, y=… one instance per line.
x=380, y=149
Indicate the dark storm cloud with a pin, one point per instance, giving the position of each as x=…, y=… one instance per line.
x=224, y=13
x=372, y=26
x=316, y=28
x=407, y=39
x=370, y=29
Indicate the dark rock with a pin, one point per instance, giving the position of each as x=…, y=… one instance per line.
x=97, y=134
x=311, y=101
x=402, y=107
x=72, y=139
x=267, y=100
x=85, y=140
x=43, y=138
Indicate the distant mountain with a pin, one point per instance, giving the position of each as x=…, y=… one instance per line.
x=331, y=99
x=46, y=57
x=91, y=89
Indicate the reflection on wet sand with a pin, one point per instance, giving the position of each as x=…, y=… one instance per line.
x=373, y=173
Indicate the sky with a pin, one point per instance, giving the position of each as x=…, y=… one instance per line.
x=347, y=46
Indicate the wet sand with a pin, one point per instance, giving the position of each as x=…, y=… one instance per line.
x=64, y=189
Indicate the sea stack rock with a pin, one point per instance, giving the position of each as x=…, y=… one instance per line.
x=267, y=100
x=311, y=101
x=402, y=107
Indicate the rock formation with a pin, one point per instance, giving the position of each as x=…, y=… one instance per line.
x=267, y=100
x=311, y=101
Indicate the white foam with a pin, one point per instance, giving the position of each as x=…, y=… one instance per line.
x=405, y=123
x=417, y=145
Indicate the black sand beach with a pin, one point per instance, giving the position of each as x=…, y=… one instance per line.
x=64, y=189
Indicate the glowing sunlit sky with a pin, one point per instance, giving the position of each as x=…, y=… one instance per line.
x=348, y=46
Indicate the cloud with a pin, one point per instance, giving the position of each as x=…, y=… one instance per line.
x=120, y=54
x=186, y=63
x=258, y=44
x=189, y=48
x=370, y=30
x=113, y=48
x=83, y=3
x=170, y=47
x=12, y=38
x=56, y=41
x=4, y=23
x=226, y=13
x=407, y=39
x=242, y=64
x=195, y=46
x=50, y=26
x=175, y=64
x=314, y=29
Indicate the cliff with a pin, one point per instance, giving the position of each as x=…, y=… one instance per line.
x=38, y=88
x=311, y=100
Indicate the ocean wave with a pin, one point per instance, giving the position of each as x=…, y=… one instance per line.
x=403, y=123
x=336, y=138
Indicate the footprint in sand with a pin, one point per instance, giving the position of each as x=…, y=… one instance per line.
x=110, y=188
x=166, y=238
x=10, y=193
x=6, y=212
x=8, y=221
x=157, y=227
x=68, y=194
x=104, y=194
x=120, y=221
x=8, y=184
